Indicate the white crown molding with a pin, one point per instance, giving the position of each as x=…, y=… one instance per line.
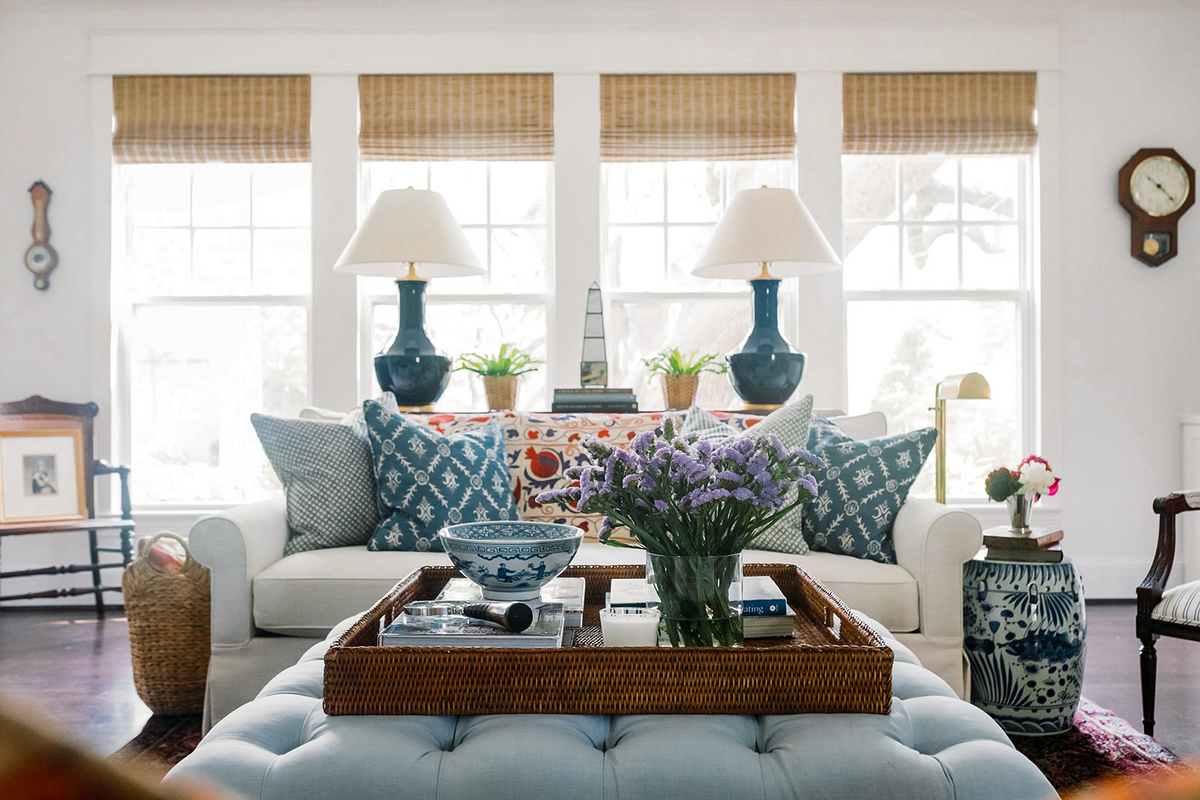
x=975, y=48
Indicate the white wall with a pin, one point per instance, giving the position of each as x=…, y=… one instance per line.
x=1130, y=333
x=1126, y=331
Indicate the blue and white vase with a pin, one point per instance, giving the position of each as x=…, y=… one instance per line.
x=1025, y=632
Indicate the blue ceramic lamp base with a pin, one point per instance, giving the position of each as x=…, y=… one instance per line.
x=766, y=371
x=412, y=369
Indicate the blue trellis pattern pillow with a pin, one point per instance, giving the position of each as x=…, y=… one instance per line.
x=861, y=489
x=427, y=480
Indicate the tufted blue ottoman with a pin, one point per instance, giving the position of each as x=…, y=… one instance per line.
x=932, y=745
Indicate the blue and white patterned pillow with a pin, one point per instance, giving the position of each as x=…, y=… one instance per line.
x=427, y=480
x=327, y=479
x=861, y=489
x=790, y=423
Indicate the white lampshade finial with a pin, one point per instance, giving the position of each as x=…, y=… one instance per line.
x=409, y=226
x=769, y=226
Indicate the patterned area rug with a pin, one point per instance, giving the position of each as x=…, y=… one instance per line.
x=1101, y=745
x=162, y=744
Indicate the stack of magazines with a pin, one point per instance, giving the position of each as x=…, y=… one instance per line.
x=410, y=631
x=585, y=399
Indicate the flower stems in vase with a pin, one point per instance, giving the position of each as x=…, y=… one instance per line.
x=700, y=598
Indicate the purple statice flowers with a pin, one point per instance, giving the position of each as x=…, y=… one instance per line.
x=689, y=497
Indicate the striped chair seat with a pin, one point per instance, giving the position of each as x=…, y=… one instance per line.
x=1180, y=605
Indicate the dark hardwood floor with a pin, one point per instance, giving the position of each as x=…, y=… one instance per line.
x=76, y=670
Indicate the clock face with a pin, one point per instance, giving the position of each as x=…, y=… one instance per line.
x=39, y=258
x=1159, y=185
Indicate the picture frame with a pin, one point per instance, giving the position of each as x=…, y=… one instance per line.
x=42, y=476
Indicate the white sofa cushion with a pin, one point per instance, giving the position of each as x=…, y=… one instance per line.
x=306, y=594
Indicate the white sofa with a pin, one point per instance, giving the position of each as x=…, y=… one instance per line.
x=268, y=609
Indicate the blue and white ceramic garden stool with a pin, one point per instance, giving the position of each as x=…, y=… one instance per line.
x=1025, y=630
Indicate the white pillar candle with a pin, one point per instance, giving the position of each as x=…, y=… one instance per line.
x=629, y=627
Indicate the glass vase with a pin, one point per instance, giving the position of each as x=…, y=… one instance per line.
x=699, y=599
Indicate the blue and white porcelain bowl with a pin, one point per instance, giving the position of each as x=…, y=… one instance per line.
x=511, y=559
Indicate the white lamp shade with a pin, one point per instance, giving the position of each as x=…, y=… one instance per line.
x=409, y=226
x=770, y=225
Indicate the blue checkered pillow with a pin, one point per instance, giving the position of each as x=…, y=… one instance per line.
x=427, y=480
x=790, y=423
x=861, y=489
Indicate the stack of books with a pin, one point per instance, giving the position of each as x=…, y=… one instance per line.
x=765, y=612
x=1041, y=545
x=585, y=399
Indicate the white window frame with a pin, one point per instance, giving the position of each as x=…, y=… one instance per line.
x=128, y=304
x=1024, y=297
x=369, y=301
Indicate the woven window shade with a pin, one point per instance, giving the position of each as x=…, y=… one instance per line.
x=174, y=119
x=456, y=117
x=688, y=117
x=953, y=113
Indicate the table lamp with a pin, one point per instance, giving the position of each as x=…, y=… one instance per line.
x=971, y=386
x=410, y=235
x=764, y=235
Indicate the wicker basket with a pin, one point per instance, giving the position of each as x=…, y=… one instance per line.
x=501, y=392
x=680, y=390
x=169, y=630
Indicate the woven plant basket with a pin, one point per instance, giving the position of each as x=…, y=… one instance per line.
x=501, y=392
x=169, y=630
x=680, y=390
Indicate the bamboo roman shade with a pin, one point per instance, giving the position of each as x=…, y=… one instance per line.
x=952, y=112
x=171, y=119
x=456, y=117
x=683, y=117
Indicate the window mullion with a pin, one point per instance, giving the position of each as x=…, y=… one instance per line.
x=577, y=244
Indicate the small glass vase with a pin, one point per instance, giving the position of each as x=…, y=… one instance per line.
x=699, y=599
x=1020, y=507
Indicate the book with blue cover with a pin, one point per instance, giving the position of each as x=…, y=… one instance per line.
x=761, y=597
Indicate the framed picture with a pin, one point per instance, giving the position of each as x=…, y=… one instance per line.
x=41, y=476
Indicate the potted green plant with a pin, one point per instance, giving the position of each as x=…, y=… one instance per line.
x=499, y=372
x=681, y=373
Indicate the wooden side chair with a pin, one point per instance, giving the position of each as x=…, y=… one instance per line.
x=1173, y=612
x=47, y=474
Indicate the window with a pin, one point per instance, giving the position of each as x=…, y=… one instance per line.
x=936, y=283
x=486, y=144
x=503, y=208
x=658, y=217
x=211, y=276
x=938, y=258
x=675, y=149
x=214, y=260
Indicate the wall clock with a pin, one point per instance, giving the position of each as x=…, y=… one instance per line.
x=1156, y=187
x=40, y=258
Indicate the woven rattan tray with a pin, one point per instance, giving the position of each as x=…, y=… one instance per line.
x=832, y=663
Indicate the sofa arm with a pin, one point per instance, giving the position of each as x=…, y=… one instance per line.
x=236, y=545
x=932, y=542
